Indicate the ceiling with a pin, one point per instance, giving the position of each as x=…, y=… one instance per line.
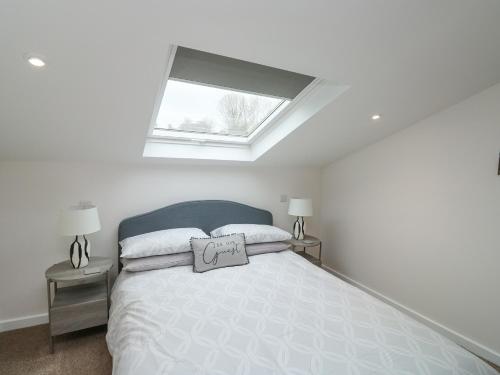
x=106, y=60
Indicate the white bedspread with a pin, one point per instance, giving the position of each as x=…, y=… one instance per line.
x=278, y=315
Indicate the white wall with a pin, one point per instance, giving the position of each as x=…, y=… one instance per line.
x=416, y=217
x=32, y=193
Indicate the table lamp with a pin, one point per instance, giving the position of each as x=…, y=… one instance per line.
x=300, y=207
x=78, y=221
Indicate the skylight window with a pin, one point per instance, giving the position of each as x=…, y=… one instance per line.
x=209, y=97
x=196, y=108
x=215, y=107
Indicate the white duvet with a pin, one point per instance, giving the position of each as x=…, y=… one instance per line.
x=277, y=315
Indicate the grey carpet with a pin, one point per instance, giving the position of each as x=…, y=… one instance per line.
x=26, y=351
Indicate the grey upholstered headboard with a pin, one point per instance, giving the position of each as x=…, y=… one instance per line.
x=206, y=215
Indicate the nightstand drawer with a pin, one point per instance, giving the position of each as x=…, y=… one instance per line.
x=74, y=317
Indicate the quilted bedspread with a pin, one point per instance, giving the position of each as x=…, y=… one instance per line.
x=277, y=315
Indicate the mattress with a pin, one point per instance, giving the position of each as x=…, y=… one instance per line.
x=277, y=315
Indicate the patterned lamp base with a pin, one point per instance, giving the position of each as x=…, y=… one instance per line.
x=299, y=228
x=79, y=252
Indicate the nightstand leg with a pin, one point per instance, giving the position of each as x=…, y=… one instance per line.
x=49, y=305
x=320, y=251
x=108, y=287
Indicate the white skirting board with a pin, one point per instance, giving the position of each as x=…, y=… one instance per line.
x=25, y=321
x=460, y=339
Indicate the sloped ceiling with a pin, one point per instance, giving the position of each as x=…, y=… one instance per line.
x=106, y=59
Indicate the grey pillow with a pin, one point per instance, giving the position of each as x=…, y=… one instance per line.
x=157, y=262
x=185, y=259
x=218, y=252
x=266, y=247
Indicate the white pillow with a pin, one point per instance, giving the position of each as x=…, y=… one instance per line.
x=254, y=233
x=169, y=241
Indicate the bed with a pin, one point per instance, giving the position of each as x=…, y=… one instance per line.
x=279, y=314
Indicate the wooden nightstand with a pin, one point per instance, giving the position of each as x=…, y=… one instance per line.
x=83, y=304
x=308, y=241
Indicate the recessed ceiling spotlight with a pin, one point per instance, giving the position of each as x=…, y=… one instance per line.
x=376, y=117
x=36, y=61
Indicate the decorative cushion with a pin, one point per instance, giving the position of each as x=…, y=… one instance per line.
x=254, y=233
x=218, y=252
x=169, y=241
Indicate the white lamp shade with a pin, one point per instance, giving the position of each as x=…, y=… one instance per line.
x=300, y=207
x=78, y=220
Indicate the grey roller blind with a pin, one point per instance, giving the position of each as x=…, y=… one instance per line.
x=211, y=69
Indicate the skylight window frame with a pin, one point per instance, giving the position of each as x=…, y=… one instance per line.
x=190, y=138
